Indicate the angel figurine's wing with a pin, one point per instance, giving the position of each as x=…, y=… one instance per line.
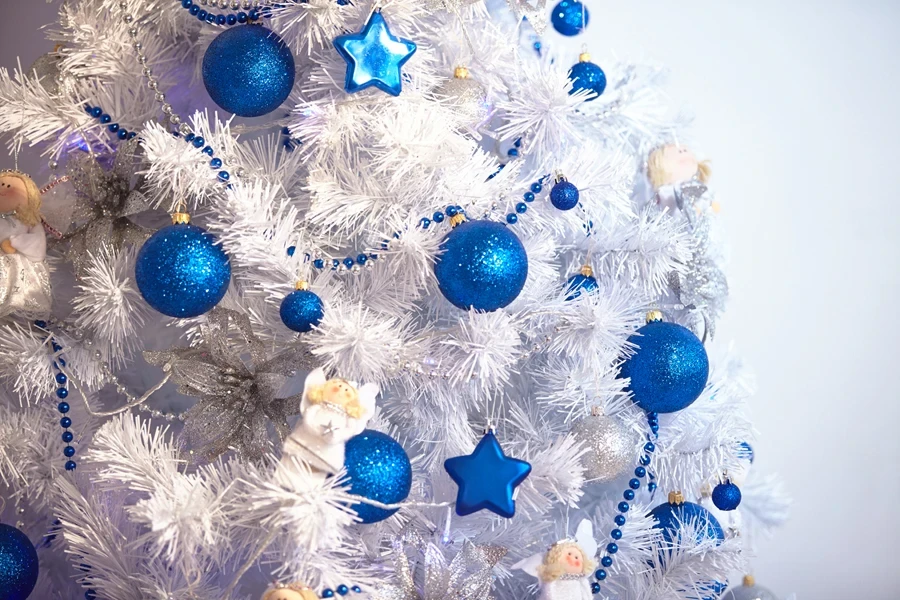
x=584, y=535
x=530, y=565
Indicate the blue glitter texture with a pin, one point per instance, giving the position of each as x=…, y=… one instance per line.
x=670, y=517
x=301, y=310
x=378, y=469
x=182, y=272
x=579, y=283
x=570, y=17
x=248, y=70
x=726, y=496
x=669, y=369
x=18, y=564
x=374, y=57
x=587, y=76
x=564, y=195
x=482, y=265
x=487, y=479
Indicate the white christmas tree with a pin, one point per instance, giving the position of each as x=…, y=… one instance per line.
x=438, y=294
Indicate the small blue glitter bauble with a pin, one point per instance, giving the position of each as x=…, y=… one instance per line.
x=378, y=469
x=746, y=452
x=668, y=370
x=564, y=195
x=576, y=284
x=18, y=564
x=301, y=310
x=482, y=265
x=248, y=70
x=181, y=271
x=670, y=518
x=726, y=496
x=586, y=75
x=570, y=17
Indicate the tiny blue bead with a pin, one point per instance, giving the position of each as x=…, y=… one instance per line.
x=61, y=392
x=518, y=143
x=634, y=483
x=113, y=127
x=620, y=520
x=56, y=347
x=187, y=3
x=96, y=112
x=327, y=593
x=654, y=429
x=512, y=152
x=63, y=407
x=210, y=18
x=438, y=217
x=373, y=256
x=529, y=196
x=612, y=548
x=616, y=534
x=334, y=263
x=224, y=176
x=65, y=422
x=425, y=222
x=242, y=17
x=623, y=507
x=521, y=208
x=628, y=495
x=41, y=324
x=61, y=378
x=512, y=218
x=452, y=211
x=194, y=10
x=537, y=45
x=319, y=263
x=231, y=20
x=652, y=414
x=361, y=259
x=356, y=589
x=253, y=15
x=189, y=137
x=606, y=561
x=67, y=436
x=649, y=447
x=595, y=588
x=600, y=574
x=651, y=486
x=69, y=451
x=291, y=250
x=70, y=465
x=536, y=188
x=348, y=262
x=342, y=589
x=645, y=460
x=88, y=108
x=220, y=20
x=105, y=119
x=132, y=135
x=215, y=163
x=61, y=361
x=198, y=142
x=640, y=471
x=122, y=134
x=201, y=16
x=208, y=150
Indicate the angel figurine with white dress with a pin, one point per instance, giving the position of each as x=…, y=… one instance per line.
x=332, y=411
x=24, y=277
x=678, y=178
x=564, y=570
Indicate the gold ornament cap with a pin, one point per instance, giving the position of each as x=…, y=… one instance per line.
x=301, y=285
x=461, y=72
x=654, y=315
x=749, y=581
x=584, y=57
x=457, y=219
x=676, y=498
x=180, y=218
x=587, y=271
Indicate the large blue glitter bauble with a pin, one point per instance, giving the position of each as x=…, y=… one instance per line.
x=181, y=271
x=482, y=265
x=301, y=310
x=576, y=284
x=570, y=17
x=378, y=469
x=374, y=57
x=586, y=75
x=669, y=369
x=18, y=564
x=726, y=496
x=248, y=70
x=670, y=518
x=564, y=195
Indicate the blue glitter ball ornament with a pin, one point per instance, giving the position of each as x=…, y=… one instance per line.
x=726, y=496
x=374, y=57
x=248, y=70
x=582, y=282
x=585, y=75
x=569, y=17
x=668, y=370
x=301, y=310
x=564, y=195
x=482, y=265
x=181, y=271
x=378, y=469
x=671, y=516
x=18, y=564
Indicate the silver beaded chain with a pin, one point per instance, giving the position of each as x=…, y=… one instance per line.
x=237, y=4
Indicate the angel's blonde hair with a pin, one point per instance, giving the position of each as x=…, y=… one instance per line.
x=658, y=173
x=316, y=395
x=30, y=213
x=305, y=592
x=551, y=570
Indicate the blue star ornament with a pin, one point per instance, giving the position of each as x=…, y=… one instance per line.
x=487, y=479
x=374, y=57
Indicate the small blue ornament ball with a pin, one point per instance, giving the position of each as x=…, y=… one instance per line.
x=301, y=310
x=248, y=70
x=726, y=496
x=482, y=265
x=581, y=282
x=181, y=271
x=378, y=469
x=670, y=517
x=669, y=369
x=585, y=75
x=18, y=564
x=746, y=452
x=569, y=17
x=564, y=195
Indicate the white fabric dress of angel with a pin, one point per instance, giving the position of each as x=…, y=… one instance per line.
x=678, y=179
x=24, y=277
x=332, y=411
x=564, y=571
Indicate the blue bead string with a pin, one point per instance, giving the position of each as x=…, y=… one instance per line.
x=114, y=128
x=62, y=392
x=341, y=590
x=223, y=20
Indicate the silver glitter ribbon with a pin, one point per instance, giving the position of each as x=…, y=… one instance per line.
x=235, y=403
x=106, y=201
x=468, y=576
x=536, y=13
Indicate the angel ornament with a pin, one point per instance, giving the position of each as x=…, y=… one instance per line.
x=281, y=591
x=564, y=570
x=332, y=411
x=678, y=178
x=24, y=277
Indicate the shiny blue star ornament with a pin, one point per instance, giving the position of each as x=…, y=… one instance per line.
x=374, y=57
x=487, y=479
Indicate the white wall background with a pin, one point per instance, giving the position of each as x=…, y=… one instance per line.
x=797, y=104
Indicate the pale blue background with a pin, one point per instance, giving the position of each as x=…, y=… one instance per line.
x=797, y=105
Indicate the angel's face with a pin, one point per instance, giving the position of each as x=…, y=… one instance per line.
x=289, y=594
x=677, y=164
x=13, y=194
x=572, y=560
x=340, y=392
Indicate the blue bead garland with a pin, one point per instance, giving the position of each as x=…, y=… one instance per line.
x=222, y=19
x=62, y=392
x=97, y=113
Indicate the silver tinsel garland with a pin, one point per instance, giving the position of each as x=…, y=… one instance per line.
x=235, y=403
